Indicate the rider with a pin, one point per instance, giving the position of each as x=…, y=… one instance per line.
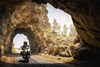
x=25, y=47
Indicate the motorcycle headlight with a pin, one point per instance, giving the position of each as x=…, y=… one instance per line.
x=25, y=50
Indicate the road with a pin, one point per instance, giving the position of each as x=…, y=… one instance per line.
x=34, y=61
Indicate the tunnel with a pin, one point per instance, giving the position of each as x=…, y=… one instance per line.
x=27, y=21
x=30, y=37
x=85, y=14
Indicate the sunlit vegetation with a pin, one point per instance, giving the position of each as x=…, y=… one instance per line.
x=13, y=48
x=59, y=42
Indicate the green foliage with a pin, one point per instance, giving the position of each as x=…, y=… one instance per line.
x=13, y=48
x=58, y=44
x=56, y=27
x=65, y=29
x=72, y=31
x=48, y=32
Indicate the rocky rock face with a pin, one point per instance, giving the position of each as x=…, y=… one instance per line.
x=24, y=17
x=85, y=14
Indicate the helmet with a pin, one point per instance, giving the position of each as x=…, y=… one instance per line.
x=25, y=42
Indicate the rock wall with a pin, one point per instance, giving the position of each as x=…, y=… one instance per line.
x=24, y=17
x=85, y=15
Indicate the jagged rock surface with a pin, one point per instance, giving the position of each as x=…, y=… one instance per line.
x=26, y=18
x=85, y=14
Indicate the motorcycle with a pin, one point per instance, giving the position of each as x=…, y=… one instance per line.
x=25, y=55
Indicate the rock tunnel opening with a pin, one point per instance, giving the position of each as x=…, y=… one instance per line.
x=30, y=37
x=22, y=26
x=18, y=41
x=85, y=16
x=60, y=32
x=25, y=19
x=62, y=18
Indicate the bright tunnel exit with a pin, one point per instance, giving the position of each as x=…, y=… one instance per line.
x=18, y=41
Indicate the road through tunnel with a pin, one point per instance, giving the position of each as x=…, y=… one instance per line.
x=23, y=19
x=85, y=14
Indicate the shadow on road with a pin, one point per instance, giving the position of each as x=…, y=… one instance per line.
x=3, y=64
x=22, y=61
x=14, y=55
x=24, y=64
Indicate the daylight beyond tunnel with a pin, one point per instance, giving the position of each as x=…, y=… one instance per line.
x=85, y=14
x=19, y=39
x=18, y=42
x=29, y=35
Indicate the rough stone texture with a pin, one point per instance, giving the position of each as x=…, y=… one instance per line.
x=24, y=17
x=85, y=14
x=61, y=50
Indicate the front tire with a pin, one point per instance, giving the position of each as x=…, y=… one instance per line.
x=27, y=59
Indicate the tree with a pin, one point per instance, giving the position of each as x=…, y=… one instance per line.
x=13, y=48
x=47, y=31
x=56, y=27
x=72, y=31
x=65, y=29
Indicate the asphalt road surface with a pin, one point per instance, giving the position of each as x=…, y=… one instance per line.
x=35, y=61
